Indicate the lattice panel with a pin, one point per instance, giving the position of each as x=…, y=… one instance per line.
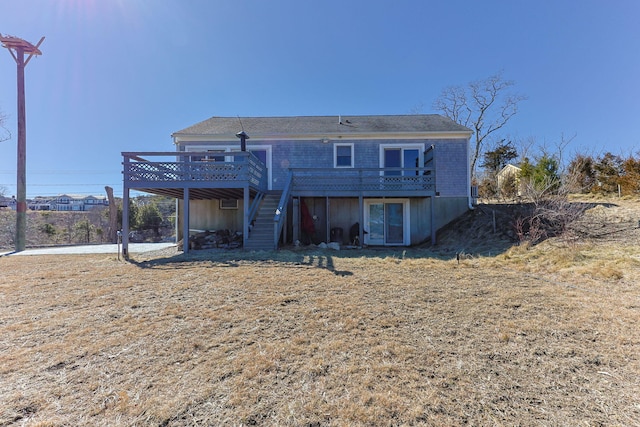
x=148, y=171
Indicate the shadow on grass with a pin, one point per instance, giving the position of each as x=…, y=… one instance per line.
x=286, y=257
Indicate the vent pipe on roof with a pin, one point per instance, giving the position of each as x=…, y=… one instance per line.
x=243, y=140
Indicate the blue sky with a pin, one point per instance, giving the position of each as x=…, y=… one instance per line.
x=122, y=75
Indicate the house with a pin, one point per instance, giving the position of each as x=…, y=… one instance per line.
x=316, y=178
x=76, y=202
x=509, y=176
x=40, y=203
x=8, y=203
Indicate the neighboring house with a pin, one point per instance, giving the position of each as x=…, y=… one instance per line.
x=506, y=174
x=311, y=178
x=8, y=203
x=72, y=202
x=40, y=203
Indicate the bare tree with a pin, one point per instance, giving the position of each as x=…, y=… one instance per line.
x=485, y=106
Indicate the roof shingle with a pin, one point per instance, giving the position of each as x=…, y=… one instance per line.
x=316, y=125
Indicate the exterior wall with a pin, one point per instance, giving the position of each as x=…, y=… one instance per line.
x=420, y=218
x=452, y=166
x=317, y=207
x=451, y=158
x=344, y=212
x=449, y=208
x=207, y=215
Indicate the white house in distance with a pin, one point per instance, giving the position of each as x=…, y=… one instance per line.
x=509, y=172
x=8, y=203
x=71, y=202
x=68, y=202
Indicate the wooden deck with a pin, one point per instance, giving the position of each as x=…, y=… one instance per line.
x=175, y=171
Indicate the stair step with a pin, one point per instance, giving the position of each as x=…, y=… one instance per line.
x=261, y=236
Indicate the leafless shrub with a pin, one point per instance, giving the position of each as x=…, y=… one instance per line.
x=551, y=213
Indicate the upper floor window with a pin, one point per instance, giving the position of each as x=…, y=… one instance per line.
x=401, y=159
x=343, y=155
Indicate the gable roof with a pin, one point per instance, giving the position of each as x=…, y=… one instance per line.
x=508, y=169
x=324, y=125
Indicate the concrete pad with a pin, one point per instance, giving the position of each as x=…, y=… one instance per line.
x=92, y=249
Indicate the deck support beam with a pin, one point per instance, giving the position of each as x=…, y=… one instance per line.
x=432, y=210
x=245, y=222
x=361, y=219
x=125, y=222
x=185, y=220
x=295, y=219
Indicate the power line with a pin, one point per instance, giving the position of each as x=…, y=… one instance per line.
x=61, y=172
x=74, y=185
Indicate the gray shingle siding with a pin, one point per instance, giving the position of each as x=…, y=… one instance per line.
x=452, y=168
x=451, y=158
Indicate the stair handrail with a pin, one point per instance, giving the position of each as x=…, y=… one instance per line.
x=253, y=209
x=281, y=210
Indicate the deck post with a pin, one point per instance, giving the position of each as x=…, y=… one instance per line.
x=328, y=222
x=361, y=219
x=295, y=219
x=185, y=220
x=125, y=219
x=245, y=221
x=433, y=222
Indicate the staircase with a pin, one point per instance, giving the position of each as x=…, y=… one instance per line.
x=261, y=234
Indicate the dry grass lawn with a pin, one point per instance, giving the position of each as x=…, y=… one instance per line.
x=534, y=336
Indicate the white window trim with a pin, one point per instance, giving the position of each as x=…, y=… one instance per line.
x=406, y=218
x=335, y=154
x=418, y=146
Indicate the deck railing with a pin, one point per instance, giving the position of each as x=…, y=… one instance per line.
x=365, y=179
x=244, y=167
x=204, y=169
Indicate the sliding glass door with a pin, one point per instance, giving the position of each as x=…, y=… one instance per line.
x=387, y=222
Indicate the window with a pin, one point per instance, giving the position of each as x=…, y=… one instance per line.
x=343, y=155
x=228, y=203
x=399, y=157
x=210, y=158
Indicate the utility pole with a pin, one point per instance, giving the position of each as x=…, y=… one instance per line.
x=18, y=48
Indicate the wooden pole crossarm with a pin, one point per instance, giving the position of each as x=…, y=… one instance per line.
x=15, y=58
x=34, y=51
x=21, y=47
